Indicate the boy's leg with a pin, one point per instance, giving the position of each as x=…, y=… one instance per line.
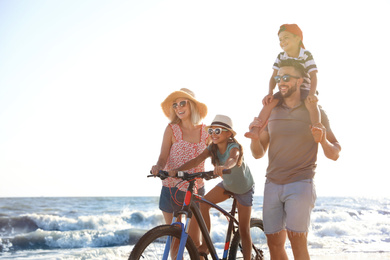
x=263, y=116
x=315, y=118
x=215, y=196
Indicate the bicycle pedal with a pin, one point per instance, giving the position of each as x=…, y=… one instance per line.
x=204, y=255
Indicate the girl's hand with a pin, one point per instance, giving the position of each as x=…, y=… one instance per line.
x=155, y=169
x=218, y=170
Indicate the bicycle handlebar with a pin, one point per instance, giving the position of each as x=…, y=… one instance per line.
x=189, y=176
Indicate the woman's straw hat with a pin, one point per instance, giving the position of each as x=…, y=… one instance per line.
x=166, y=105
x=223, y=121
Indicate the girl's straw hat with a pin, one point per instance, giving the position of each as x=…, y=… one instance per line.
x=223, y=121
x=183, y=93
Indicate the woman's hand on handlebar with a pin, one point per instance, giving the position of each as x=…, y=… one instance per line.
x=155, y=169
x=172, y=173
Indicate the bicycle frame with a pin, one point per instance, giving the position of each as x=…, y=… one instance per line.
x=189, y=208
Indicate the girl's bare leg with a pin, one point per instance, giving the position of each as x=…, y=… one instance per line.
x=244, y=219
x=215, y=196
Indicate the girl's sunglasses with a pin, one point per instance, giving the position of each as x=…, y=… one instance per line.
x=285, y=78
x=216, y=131
x=181, y=104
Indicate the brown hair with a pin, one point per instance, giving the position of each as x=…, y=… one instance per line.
x=214, y=149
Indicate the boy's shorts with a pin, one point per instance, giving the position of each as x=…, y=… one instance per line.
x=245, y=199
x=171, y=199
x=288, y=206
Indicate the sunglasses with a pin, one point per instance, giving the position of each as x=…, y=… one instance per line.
x=181, y=104
x=285, y=78
x=216, y=131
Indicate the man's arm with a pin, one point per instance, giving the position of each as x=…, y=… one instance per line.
x=259, y=146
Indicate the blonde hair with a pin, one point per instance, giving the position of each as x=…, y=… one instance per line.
x=214, y=149
x=195, y=115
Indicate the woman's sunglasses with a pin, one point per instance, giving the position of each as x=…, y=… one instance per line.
x=285, y=78
x=216, y=131
x=181, y=104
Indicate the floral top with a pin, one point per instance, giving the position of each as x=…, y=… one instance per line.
x=182, y=152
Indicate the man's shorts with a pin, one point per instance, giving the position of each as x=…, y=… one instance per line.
x=245, y=199
x=288, y=206
x=171, y=199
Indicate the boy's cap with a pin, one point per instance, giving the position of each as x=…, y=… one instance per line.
x=294, y=29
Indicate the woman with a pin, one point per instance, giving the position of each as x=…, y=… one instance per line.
x=184, y=139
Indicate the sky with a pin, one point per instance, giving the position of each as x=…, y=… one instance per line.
x=81, y=83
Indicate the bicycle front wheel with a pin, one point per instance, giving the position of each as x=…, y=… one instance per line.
x=259, y=242
x=152, y=244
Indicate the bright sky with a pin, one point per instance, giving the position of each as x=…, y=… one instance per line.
x=81, y=84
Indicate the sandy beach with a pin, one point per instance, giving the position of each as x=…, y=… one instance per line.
x=352, y=256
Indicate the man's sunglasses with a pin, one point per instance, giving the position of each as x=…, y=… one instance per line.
x=181, y=104
x=216, y=131
x=285, y=78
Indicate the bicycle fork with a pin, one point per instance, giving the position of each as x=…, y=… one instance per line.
x=183, y=228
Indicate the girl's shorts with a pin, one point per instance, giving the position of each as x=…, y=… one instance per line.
x=171, y=199
x=245, y=199
x=288, y=206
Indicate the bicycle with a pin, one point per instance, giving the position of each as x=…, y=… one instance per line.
x=157, y=242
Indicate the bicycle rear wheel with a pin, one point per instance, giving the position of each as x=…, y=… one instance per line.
x=259, y=240
x=152, y=244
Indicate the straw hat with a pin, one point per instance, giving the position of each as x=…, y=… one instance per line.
x=223, y=121
x=166, y=105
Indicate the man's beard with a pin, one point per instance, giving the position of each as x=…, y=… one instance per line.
x=290, y=91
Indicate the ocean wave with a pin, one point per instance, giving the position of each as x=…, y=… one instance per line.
x=41, y=239
x=104, y=222
x=14, y=225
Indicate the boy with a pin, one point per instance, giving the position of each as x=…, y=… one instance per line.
x=290, y=37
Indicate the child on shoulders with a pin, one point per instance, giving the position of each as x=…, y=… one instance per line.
x=290, y=37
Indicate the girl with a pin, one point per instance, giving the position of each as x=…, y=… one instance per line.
x=184, y=139
x=227, y=153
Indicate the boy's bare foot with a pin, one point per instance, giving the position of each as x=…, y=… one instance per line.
x=317, y=132
x=254, y=133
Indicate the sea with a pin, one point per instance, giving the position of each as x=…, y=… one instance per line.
x=108, y=227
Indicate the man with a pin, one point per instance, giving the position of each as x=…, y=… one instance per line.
x=289, y=192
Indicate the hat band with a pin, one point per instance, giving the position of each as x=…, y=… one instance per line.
x=222, y=124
